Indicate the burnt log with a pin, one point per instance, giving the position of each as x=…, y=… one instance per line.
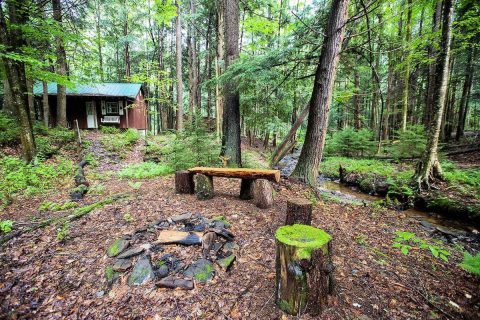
x=246, y=192
x=184, y=182
x=303, y=269
x=203, y=186
x=263, y=194
x=299, y=211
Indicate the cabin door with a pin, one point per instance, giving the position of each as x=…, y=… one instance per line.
x=91, y=115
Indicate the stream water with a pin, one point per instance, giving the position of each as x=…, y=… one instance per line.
x=450, y=229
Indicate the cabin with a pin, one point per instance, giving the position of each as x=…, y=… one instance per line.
x=121, y=105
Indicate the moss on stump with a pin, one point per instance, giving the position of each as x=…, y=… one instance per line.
x=303, y=269
x=203, y=186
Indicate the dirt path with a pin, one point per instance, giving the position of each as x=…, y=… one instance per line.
x=44, y=279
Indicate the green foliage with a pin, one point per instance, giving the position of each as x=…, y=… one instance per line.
x=350, y=142
x=405, y=241
x=127, y=217
x=120, y=142
x=17, y=177
x=145, y=170
x=467, y=181
x=63, y=233
x=6, y=226
x=109, y=130
x=330, y=166
x=411, y=143
x=135, y=185
x=52, y=206
x=194, y=146
x=471, y=263
x=9, y=130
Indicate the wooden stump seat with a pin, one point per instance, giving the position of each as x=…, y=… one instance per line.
x=184, y=182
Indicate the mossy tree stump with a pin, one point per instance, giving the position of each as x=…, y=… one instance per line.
x=246, y=189
x=263, y=194
x=299, y=211
x=184, y=182
x=203, y=186
x=303, y=268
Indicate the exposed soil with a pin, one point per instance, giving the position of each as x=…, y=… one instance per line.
x=44, y=279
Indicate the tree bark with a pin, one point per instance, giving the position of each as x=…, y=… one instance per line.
x=13, y=40
x=263, y=193
x=192, y=66
x=184, y=182
x=178, y=58
x=428, y=168
x=45, y=104
x=357, y=121
x=219, y=67
x=203, y=186
x=61, y=68
x=406, y=76
x=98, y=15
x=467, y=85
x=231, y=112
x=8, y=106
x=299, y=211
x=311, y=155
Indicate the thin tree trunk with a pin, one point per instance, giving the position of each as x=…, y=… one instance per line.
x=311, y=155
x=61, y=68
x=467, y=85
x=127, y=46
x=192, y=66
x=231, y=112
x=45, y=105
x=98, y=15
x=357, y=121
x=406, y=76
x=429, y=167
x=219, y=67
x=178, y=36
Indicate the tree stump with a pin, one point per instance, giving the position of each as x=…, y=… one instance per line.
x=203, y=186
x=303, y=268
x=246, y=186
x=263, y=193
x=184, y=182
x=299, y=211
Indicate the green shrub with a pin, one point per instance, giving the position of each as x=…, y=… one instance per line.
x=330, y=166
x=6, y=226
x=145, y=170
x=350, y=142
x=120, y=142
x=411, y=144
x=52, y=206
x=9, y=130
x=17, y=177
x=109, y=130
x=131, y=136
x=471, y=263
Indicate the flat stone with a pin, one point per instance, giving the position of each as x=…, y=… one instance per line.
x=180, y=237
x=202, y=270
x=231, y=246
x=117, y=247
x=162, y=271
x=111, y=276
x=131, y=253
x=173, y=283
x=122, y=265
x=142, y=272
x=226, y=262
x=182, y=217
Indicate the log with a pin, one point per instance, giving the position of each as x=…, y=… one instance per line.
x=203, y=186
x=184, y=182
x=179, y=237
x=241, y=173
x=299, y=211
x=303, y=268
x=246, y=192
x=263, y=194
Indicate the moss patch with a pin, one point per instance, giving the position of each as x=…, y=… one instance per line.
x=223, y=220
x=304, y=238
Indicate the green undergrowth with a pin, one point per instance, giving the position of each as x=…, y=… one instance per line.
x=53, y=206
x=471, y=263
x=120, y=143
x=145, y=170
x=18, y=178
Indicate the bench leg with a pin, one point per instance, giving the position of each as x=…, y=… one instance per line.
x=203, y=186
x=184, y=182
x=246, y=189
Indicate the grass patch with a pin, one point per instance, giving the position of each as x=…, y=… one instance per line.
x=145, y=170
x=330, y=166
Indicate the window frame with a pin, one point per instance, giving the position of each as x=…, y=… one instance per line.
x=109, y=105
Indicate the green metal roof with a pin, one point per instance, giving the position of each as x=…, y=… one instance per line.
x=94, y=89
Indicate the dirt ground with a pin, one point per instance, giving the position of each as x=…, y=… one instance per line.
x=42, y=278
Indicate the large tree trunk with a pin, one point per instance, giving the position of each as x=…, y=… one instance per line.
x=8, y=106
x=429, y=167
x=231, y=112
x=406, y=76
x=192, y=66
x=467, y=85
x=220, y=54
x=178, y=57
x=61, y=68
x=307, y=166
x=13, y=41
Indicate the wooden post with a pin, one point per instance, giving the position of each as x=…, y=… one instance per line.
x=263, y=193
x=203, y=186
x=299, y=211
x=303, y=268
x=78, y=132
x=246, y=189
x=184, y=182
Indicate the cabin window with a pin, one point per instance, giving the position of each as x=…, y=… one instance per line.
x=112, y=107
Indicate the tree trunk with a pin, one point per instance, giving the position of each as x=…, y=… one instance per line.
x=61, y=68
x=184, y=182
x=406, y=76
x=192, y=66
x=8, y=106
x=263, y=193
x=203, y=186
x=220, y=54
x=45, y=104
x=98, y=16
x=467, y=85
x=308, y=163
x=303, y=270
x=231, y=112
x=13, y=40
x=357, y=121
x=299, y=211
x=178, y=58
x=429, y=167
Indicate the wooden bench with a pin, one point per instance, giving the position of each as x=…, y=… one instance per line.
x=184, y=180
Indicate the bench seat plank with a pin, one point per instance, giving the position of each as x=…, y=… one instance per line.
x=241, y=173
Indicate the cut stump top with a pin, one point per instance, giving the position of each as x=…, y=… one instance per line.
x=304, y=238
x=242, y=173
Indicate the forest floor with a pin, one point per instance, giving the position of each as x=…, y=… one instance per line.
x=43, y=278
